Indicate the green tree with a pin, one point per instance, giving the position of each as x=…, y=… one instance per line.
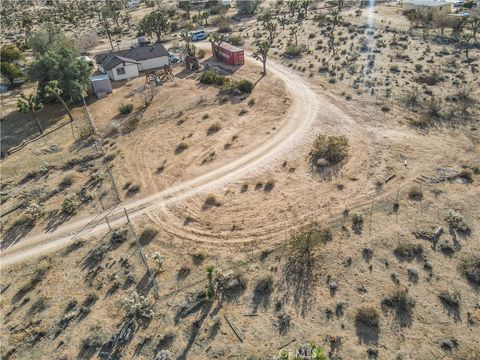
x=10, y=55
x=31, y=104
x=52, y=89
x=48, y=37
x=211, y=288
x=63, y=65
x=247, y=7
x=155, y=23
x=187, y=7
x=262, y=53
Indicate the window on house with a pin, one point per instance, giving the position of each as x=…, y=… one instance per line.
x=121, y=71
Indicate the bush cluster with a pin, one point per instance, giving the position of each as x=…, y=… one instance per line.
x=210, y=77
x=125, y=108
x=334, y=149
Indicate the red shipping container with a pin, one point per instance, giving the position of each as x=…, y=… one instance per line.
x=231, y=54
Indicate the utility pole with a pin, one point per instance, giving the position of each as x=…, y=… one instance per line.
x=105, y=23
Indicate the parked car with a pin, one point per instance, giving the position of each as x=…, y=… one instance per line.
x=133, y=3
x=198, y=35
x=172, y=58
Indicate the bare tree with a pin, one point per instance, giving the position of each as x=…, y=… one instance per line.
x=147, y=93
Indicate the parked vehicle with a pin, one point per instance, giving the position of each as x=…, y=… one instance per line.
x=198, y=35
x=172, y=58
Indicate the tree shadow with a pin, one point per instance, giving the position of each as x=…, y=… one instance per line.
x=19, y=129
x=120, y=340
x=195, y=329
x=14, y=234
x=145, y=284
x=56, y=220
x=298, y=280
x=366, y=334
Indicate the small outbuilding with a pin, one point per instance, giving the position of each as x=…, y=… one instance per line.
x=230, y=54
x=433, y=7
x=101, y=85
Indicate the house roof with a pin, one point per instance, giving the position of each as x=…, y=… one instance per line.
x=426, y=2
x=134, y=55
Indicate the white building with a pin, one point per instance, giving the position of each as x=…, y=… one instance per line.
x=126, y=64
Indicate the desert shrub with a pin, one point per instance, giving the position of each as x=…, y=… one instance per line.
x=201, y=53
x=86, y=132
x=211, y=77
x=470, y=267
x=125, y=108
x=333, y=148
x=118, y=236
x=138, y=307
x=357, y=222
x=421, y=122
x=131, y=124
x=148, y=234
x=456, y=221
x=214, y=128
x=199, y=257
x=244, y=86
x=133, y=189
x=309, y=236
x=368, y=316
x=236, y=40
x=211, y=201
x=159, y=259
x=415, y=193
x=181, y=147
x=450, y=298
x=269, y=185
x=294, y=50
x=264, y=285
x=71, y=204
x=399, y=300
x=409, y=251
x=35, y=211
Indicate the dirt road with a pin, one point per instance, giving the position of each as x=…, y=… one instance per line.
x=302, y=115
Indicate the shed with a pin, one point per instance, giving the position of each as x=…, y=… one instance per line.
x=101, y=85
x=433, y=7
x=230, y=54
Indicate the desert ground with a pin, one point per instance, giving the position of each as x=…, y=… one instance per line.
x=205, y=227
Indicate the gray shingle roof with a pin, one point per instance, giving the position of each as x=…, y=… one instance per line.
x=112, y=59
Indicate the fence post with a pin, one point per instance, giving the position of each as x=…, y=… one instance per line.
x=142, y=254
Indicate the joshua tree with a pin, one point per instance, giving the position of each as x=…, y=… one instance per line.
x=189, y=48
x=271, y=28
x=292, y=6
x=205, y=15
x=216, y=40
x=282, y=20
x=31, y=104
x=305, y=5
x=294, y=33
x=211, y=288
x=262, y=54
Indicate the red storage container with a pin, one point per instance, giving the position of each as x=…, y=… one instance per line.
x=231, y=54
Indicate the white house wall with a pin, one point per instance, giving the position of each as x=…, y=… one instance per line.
x=153, y=63
x=131, y=71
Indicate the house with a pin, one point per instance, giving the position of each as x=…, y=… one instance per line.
x=433, y=7
x=126, y=64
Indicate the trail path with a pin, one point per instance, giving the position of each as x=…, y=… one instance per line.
x=302, y=115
